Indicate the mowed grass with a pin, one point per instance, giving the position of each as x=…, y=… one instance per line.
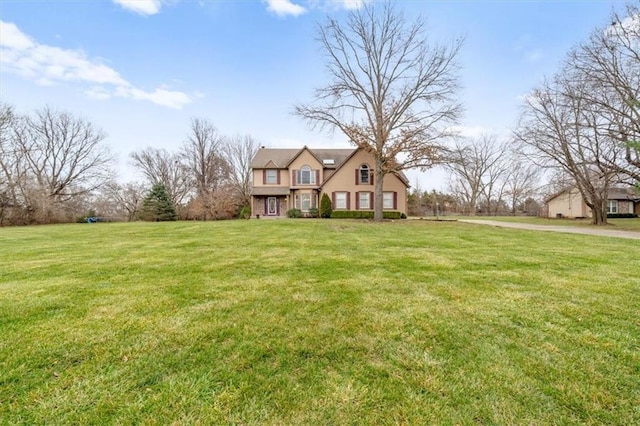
x=630, y=224
x=317, y=322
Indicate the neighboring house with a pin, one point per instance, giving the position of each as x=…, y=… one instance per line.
x=569, y=203
x=284, y=179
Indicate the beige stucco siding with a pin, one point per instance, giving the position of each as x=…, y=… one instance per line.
x=258, y=177
x=568, y=204
x=345, y=181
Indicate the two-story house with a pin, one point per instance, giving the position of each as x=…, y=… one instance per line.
x=284, y=179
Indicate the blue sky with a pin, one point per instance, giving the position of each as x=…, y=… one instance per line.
x=140, y=69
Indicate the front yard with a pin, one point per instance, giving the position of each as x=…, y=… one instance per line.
x=317, y=322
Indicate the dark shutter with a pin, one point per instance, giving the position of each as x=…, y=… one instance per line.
x=333, y=199
x=348, y=200
x=294, y=177
x=264, y=176
x=357, y=180
x=317, y=177
x=395, y=200
x=357, y=201
x=370, y=177
x=278, y=177
x=371, y=200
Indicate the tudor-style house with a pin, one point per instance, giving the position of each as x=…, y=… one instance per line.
x=284, y=179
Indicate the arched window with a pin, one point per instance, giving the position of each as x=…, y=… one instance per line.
x=307, y=177
x=364, y=174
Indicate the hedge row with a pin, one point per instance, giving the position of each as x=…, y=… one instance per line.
x=621, y=215
x=363, y=214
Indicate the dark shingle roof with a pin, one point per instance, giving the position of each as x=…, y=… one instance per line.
x=282, y=157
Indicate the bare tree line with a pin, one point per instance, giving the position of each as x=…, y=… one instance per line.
x=585, y=120
x=56, y=167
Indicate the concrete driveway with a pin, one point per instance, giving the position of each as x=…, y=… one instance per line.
x=565, y=229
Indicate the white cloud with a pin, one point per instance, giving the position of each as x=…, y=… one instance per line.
x=48, y=65
x=284, y=7
x=348, y=4
x=143, y=7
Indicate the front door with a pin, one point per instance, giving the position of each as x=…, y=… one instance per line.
x=272, y=206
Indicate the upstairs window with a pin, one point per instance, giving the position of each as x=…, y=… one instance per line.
x=364, y=175
x=306, y=176
x=271, y=177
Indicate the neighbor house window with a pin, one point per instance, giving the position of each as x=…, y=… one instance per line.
x=364, y=200
x=306, y=176
x=387, y=200
x=613, y=206
x=364, y=174
x=271, y=177
x=341, y=200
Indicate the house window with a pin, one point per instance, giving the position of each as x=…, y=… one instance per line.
x=364, y=200
x=305, y=202
x=306, y=176
x=387, y=200
x=271, y=177
x=364, y=174
x=612, y=207
x=341, y=200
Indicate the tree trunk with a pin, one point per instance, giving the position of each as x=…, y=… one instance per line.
x=599, y=212
x=378, y=197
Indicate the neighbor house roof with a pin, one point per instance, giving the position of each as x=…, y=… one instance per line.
x=614, y=194
x=624, y=194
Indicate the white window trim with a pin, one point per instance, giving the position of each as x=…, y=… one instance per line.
x=275, y=177
x=344, y=195
x=361, y=204
x=384, y=200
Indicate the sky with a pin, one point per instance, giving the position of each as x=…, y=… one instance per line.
x=142, y=69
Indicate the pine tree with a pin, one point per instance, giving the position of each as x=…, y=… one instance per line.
x=157, y=206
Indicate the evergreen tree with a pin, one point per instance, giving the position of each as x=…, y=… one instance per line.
x=157, y=206
x=325, y=206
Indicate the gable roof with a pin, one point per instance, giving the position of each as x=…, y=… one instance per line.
x=281, y=157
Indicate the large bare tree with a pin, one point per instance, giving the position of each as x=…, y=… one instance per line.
x=203, y=155
x=609, y=62
x=239, y=151
x=58, y=157
x=562, y=129
x=392, y=92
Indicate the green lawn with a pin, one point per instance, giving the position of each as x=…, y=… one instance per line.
x=617, y=224
x=317, y=322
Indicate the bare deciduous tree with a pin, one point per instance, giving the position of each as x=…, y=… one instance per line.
x=209, y=169
x=57, y=157
x=239, y=151
x=476, y=167
x=126, y=199
x=521, y=182
x=564, y=130
x=158, y=165
x=392, y=92
x=609, y=62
